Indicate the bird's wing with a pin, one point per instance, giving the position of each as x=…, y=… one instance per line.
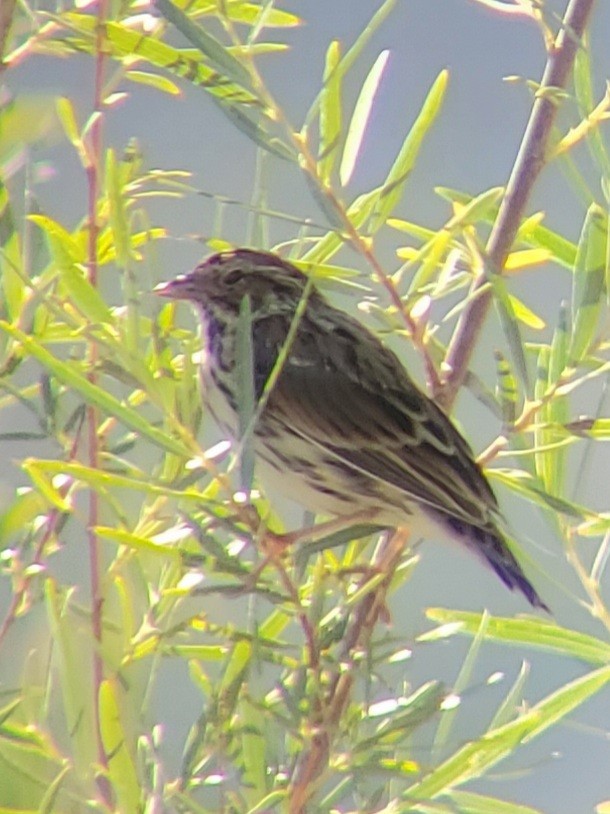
x=358, y=404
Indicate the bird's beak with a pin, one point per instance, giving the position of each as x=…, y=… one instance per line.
x=174, y=289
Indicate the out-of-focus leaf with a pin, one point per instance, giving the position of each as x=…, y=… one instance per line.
x=121, y=767
x=118, y=211
x=253, y=726
x=538, y=633
x=218, y=56
x=510, y=326
x=588, y=282
x=476, y=757
x=65, y=249
x=247, y=13
x=153, y=80
x=525, y=315
x=68, y=373
x=583, y=87
x=531, y=231
x=12, y=274
x=526, y=258
x=68, y=652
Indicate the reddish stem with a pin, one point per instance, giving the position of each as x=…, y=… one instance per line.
x=97, y=598
x=530, y=161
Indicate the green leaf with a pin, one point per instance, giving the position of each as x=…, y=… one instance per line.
x=474, y=759
x=121, y=768
x=67, y=117
x=118, y=210
x=531, y=231
x=392, y=188
x=330, y=114
x=75, y=690
x=153, y=80
x=583, y=88
x=536, y=633
x=460, y=684
x=524, y=484
x=68, y=373
x=12, y=273
x=66, y=251
x=360, y=118
x=588, y=282
x=218, y=56
x=355, y=51
x=84, y=296
x=510, y=325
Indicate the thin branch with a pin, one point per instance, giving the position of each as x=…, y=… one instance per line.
x=314, y=758
x=93, y=171
x=530, y=161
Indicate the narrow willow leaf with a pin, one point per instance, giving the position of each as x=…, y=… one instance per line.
x=588, y=282
x=355, y=51
x=510, y=326
x=85, y=297
x=240, y=12
x=137, y=542
x=474, y=759
x=527, y=486
x=103, y=481
x=541, y=435
x=507, y=391
x=513, y=699
x=65, y=249
x=118, y=212
x=392, y=188
x=68, y=373
x=526, y=258
x=467, y=802
x=67, y=117
x=330, y=114
x=218, y=56
x=583, y=88
x=537, y=633
x=360, y=118
x=480, y=208
x=121, y=769
x=556, y=411
x=525, y=315
x=429, y=258
x=153, y=80
x=12, y=274
x=531, y=231
x=359, y=211
x=75, y=689
x=234, y=673
x=253, y=727
x=413, y=229
x=460, y=684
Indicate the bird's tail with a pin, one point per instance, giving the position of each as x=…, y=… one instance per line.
x=491, y=545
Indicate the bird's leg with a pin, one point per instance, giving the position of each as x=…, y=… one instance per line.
x=278, y=543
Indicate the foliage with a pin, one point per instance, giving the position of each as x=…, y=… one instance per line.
x=296, y=703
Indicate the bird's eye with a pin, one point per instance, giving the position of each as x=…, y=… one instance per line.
x=232, y=278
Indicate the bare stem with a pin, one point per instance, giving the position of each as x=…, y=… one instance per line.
x=314, y=758
x=93, y=171
x=530, y=161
